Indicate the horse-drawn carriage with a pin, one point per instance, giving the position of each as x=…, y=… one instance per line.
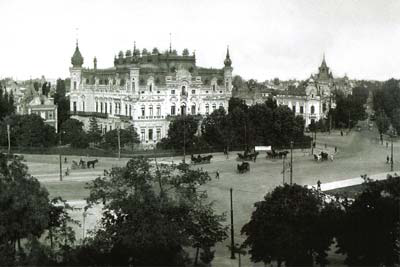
x=83, y=165
x=323, y=156
x=274, y=154
x=244, y=167
x=200, y=160
x=247, y=156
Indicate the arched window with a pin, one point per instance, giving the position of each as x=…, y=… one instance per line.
x=312, y=109
x=150, y=110
x=158, y=110
x=133, y=84
x=183, y=92
x=151, y=87
x=193, y=110
x=324, y=107
x=214, y=107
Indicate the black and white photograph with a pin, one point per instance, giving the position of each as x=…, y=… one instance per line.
x=199, y=133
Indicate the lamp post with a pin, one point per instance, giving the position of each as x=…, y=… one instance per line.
x=8, y=137
x=291, y=162
x=61, y=178
x=232, y=231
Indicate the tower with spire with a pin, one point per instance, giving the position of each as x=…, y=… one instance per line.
x=228, y=71
x=76, y=69
x=323, y=71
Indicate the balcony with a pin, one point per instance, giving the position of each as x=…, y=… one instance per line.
x=89, y=114
x=124, y=117
x=150, y=117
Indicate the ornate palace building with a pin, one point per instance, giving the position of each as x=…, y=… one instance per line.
x=313, y=98
x=147, y=90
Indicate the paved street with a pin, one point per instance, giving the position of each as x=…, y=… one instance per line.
x=358, y=153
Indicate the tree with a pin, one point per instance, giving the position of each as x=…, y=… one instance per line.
x=129, y=136
x=24, y=208
x=155, y=51
x=182, y=131
x=396, y=120
x=185, y=52
x=94, y=133
x=73, y=133
x=371, y=230
x=216, y=129
x=382, y=122
x=287, y=226
x=151, y=210
x=237, y=82
x=62, y=102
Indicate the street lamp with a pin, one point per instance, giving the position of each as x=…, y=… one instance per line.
x=291, y=162
x=61, y=178
x=392, y=133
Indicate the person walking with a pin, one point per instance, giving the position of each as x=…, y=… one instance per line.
x=319, y=185
x=335, y=149
x=217, y=174
x=65, y=160
x=387, y=159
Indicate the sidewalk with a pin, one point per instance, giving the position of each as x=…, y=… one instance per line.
x=350, y=182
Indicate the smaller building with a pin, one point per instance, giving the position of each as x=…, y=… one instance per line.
x=45, y=108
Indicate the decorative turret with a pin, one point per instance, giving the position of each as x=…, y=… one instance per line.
x=77, y=59
x=95, y=63
x=227, y=61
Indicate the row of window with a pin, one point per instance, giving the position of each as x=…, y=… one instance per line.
x=150, y=135
x=102, y=107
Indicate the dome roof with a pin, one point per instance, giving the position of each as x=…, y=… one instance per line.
x=77, y=59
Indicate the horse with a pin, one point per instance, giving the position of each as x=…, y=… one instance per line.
x=207, y=159
x=324, y=155
x=92, y=163
x=244, y=167
x=316, y=157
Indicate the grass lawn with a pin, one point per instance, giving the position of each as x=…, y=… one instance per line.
x=68, y=190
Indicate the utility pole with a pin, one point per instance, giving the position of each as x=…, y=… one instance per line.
x=184, y=137
x=283, y=170
x=291, y=162
x=61, y=178
x=232, y=232
x=8, y=136
x=391, y=155
x=119, y=142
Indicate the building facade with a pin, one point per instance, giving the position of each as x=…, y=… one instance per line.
x=313, y=98
x=45, y=108
x=147, y=90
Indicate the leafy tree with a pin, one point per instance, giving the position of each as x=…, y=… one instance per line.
x=155, y=51
x=382, y=122
x=150, y=211
x=73, y=133
x=24, y=208
x=237, y=82
x=370, y=234
x=289, y=226
x=349, y=110
x=276, y=81
x=6, y=103
x=182, y=131
x=396, y=120
x=94, y=133
x=216, y=129
x=130, y=136
x=185, y=52
x=127, y=136
x=62, y=102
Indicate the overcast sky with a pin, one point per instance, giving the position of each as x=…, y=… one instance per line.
x=267, y=39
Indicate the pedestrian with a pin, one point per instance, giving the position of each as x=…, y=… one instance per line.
x=217, y=174
x=387, y=144
x=335, y=149
x=325, y=146
x=67, y=172
x=319, y=185
x=387, y=159
x=65, y=160
x=341, y=132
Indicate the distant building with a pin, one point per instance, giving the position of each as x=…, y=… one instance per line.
x=147, y=90
x=312, y=99
x=27, y=100
x=45, y=108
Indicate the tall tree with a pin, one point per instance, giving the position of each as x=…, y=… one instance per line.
x=182, y=131
x=151, y=210
x=382, y=122
x=287, y=227
x=94, y=132
x=73, y=133
x=62, y=102
x=370, y=232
